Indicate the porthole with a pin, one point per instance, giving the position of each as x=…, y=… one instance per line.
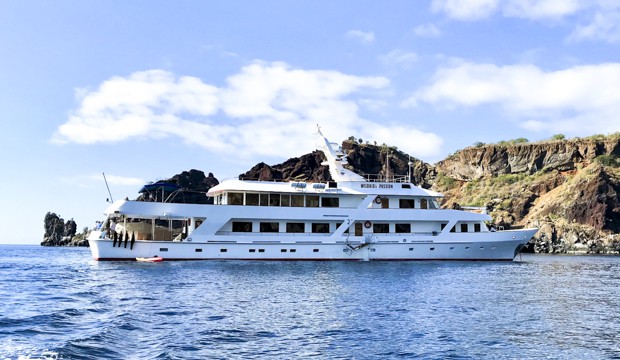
x=293, y=250
x=451, y=247
x=261, y=250
x=252, y=250
x=223, y=250
x=432, y=249
x=163, y=249
x=282, y=250
x=198, y=250
x=315, y=250
x=410, y=249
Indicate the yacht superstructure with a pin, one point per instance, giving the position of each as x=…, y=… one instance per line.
x=349, y=218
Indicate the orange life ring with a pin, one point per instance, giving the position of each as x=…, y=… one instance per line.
x=367, y=224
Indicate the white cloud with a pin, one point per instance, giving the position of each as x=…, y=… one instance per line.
x=605, y=26
x=465, y=9
x=266, y=109
x=592, y=20
x=400, y=58
x=364, y=37
x=580, y=99
x=427, y=30
x=540, y=9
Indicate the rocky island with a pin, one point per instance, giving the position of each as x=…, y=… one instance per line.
x=569, y=188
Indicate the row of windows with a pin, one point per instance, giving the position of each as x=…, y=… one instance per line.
x=260, y=199
x=323, y=228
x=274, y=227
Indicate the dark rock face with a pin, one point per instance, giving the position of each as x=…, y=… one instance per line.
x=61, y=233
x=364, y=159
x=193, y=186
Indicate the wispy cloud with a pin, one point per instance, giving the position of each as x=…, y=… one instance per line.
x=567, y=100
x=363, y=37
x=401, y=58
x=428, y=30
x=591, y=20
x=267, y=109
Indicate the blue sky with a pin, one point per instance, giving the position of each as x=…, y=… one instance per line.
x=143, y=90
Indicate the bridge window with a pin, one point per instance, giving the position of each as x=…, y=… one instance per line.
x=270, y=227
x=330, y=202
x=406, y=203
x=274, y=200
x=241, y=226
x=403, y=228
x=380, y=228
x=312, y=201
x=235, y=198
x=285, y=200
x=295, y=227
x=423, y=203
x=251, y=199
x=297, y=200
x=464, y=227
x=320, y=228
x=264, y=199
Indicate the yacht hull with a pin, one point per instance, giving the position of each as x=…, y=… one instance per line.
x=492, y=246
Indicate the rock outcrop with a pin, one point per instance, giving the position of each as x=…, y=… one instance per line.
x=188, y=187
x=61, y=233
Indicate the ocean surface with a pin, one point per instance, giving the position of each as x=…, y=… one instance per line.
x=57, y=303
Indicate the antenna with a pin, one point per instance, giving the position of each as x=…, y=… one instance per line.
x=106, y=185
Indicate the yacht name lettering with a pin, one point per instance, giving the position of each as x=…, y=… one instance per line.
x=380, y=186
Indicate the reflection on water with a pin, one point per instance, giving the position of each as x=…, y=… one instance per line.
x=59, y=303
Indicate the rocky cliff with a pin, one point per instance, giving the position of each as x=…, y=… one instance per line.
x=568, y=188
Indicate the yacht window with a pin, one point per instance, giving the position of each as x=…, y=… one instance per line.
x=320, y=228
x=443, y=225
x=261, y=250
x=223, y=250
x=403, y=228
x=423, y=203
x=406, y=203
x=315, y=250
x=251, y=199
x=270, y=227
x=312, y=201
x=241, y=226
x=282, y=250
x=338, y=225
x=295, y=227
x=293, y=250
x=476, y=227
x=380, y=228
x=274, y=200
x=252, y=250
x=330, y=202
x=332, y=184
x=463, y=227
x=406, y=186
x=285, y=200
x=264, y=199
x=385, y=203
x=198, y=250
x=235, y=198
x=297, y=200
x=453, y=229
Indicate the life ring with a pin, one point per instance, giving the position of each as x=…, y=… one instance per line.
x=378, y=200
x=367, y=224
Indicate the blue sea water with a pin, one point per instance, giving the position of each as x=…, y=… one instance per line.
x=57, y=303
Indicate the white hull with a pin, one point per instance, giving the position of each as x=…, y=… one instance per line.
x=502, y=245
